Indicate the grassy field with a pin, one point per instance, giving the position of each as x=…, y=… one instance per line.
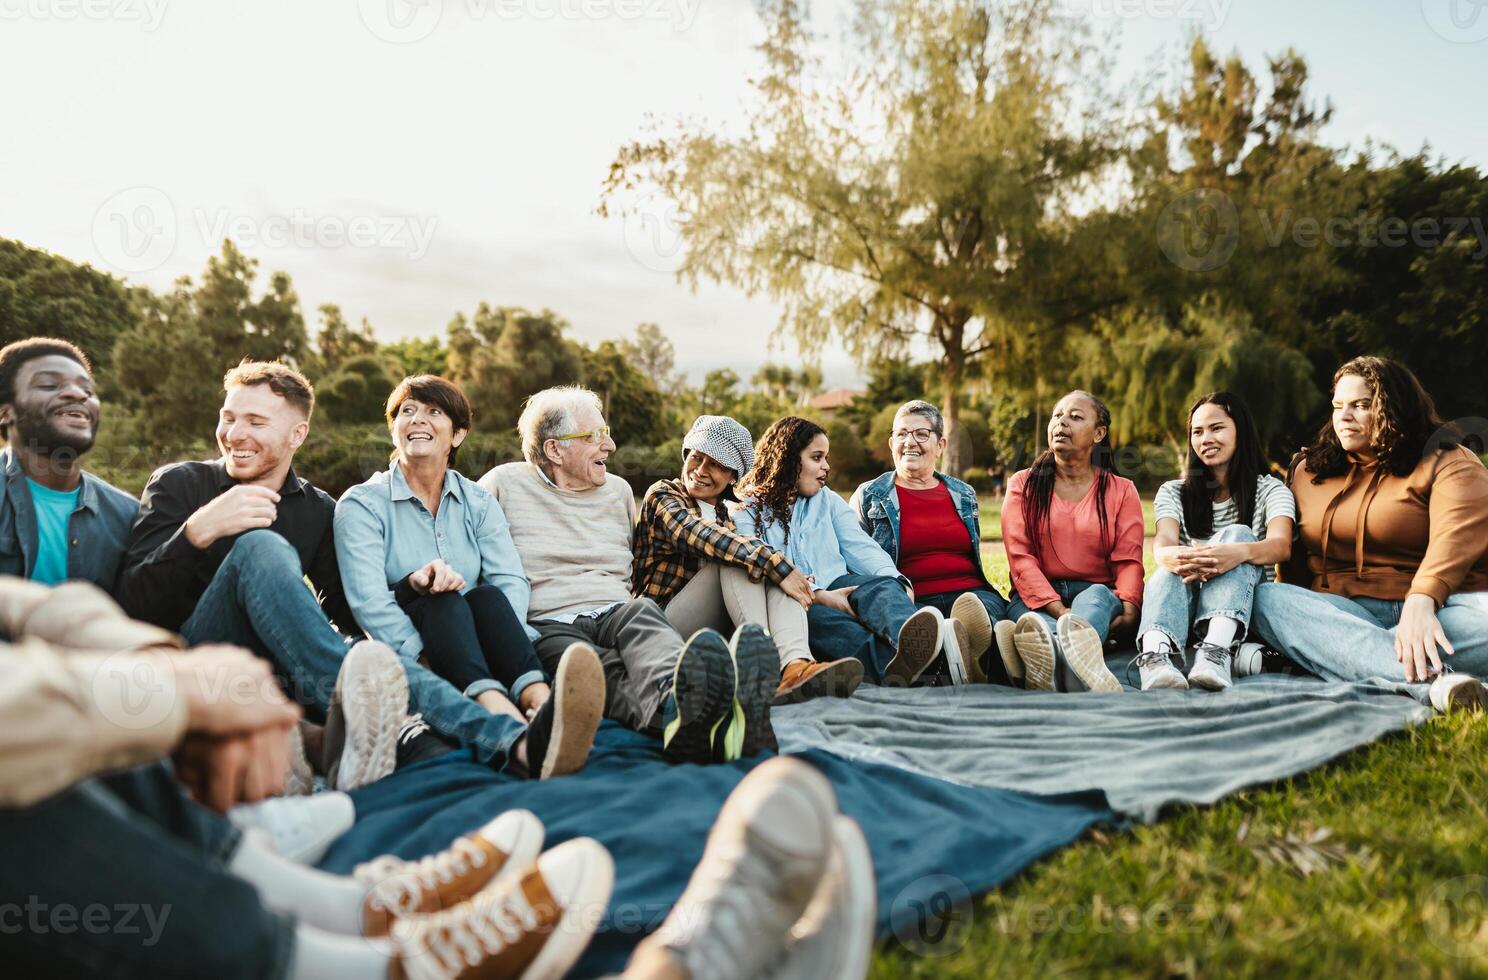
x=1376, y=864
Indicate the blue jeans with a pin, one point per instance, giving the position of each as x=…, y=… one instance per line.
x=258, y=599
x=1342, y=639
x=1177, y=609
x=123, y=876
x=1094, y=603
x=996, y=607
x=881, y=606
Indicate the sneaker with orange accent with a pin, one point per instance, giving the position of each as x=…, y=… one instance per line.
x=533, y=926
x=400, y=891
x=801, y=680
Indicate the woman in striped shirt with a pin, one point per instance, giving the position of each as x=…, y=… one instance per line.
x=1220, y=531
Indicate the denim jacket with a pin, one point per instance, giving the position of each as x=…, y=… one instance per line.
x=97, y=532
x=877, y=507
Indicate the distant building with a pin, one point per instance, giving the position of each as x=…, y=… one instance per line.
x=829, y=402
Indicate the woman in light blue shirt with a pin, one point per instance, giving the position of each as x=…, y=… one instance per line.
x=449, y=587
x=861, y=606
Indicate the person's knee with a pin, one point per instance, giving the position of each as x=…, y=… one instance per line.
x=1234, y=534
x=262, y=548
x=488, y=599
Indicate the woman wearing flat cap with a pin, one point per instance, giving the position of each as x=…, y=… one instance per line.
x=704, y=573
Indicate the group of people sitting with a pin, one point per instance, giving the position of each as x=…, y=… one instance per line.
x=425, y=613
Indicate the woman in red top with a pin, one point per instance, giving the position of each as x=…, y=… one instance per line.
x=1073, y=533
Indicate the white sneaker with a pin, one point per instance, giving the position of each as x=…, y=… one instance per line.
x=969, y=612
x=920, y=640
x=301, y=828
x=400, y=890
x=1035, y=645
x=1158, y=672
x=368, y=707
x=1002, y=631
x=1211, y=669
x=534, y=925
x=1249, y=659
x=833, y=939
x=764, y=861
x=1458, y=692
x=954, y=642
x=1085, y=654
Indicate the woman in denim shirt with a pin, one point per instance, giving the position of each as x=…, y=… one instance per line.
x=860, y=603
x=927, y=522
x=450, y=587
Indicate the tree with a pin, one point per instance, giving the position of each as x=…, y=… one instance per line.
x=940, y=188
x=170, y=365
x=502, y=355
x=357, y=391
x=45, y=295
x=633, y=408
x=654, y=356
x=417, y=355
x=337, y=342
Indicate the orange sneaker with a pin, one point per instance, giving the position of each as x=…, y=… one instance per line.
x=801, y=680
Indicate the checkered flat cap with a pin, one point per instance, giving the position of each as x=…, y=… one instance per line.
x=723, y=438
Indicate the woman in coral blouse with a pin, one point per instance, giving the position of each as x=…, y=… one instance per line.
x=1073, y=533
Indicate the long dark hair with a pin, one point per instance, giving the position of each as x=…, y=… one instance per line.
x=1244, y=469
x=1038, y=490
x=777, y=469
x=1405, y=422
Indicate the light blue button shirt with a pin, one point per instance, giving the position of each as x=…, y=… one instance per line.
x=384, y=517
x=826, y=541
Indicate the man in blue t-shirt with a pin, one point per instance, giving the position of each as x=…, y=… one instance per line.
x=56, y=521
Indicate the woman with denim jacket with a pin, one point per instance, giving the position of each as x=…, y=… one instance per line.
x=861, y=605
x=1073, y=533
x=927, y=522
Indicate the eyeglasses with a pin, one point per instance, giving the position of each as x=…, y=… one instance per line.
x=593, y=435
x=918, y=435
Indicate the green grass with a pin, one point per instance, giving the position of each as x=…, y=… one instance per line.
x=1402, y=891
x=1400, y=886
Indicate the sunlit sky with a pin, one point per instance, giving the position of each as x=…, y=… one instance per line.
x=408, y=159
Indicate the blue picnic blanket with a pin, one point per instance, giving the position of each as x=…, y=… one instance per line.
x=933, y=842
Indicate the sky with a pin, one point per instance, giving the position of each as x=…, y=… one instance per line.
x=408, y=159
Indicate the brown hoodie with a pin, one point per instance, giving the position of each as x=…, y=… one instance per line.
x=1387, y=536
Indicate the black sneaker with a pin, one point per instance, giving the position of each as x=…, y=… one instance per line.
x=702, y=694
x=561, y=733
x=757, y=678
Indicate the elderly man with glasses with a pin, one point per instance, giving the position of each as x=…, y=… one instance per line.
x=571, y=520
x=927, y=522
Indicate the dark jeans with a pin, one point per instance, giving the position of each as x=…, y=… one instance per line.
x=996, y=607
x=881, y=606
x=475, y=641
x=123, y=876
x=258, y=599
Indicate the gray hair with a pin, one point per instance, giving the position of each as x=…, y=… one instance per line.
x=551, y=413
x=920, y=407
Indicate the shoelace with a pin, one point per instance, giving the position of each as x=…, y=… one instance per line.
x=1149, y=658
x=1214, y=653
x=399, y=886
x=462, y=938
x=736, y=917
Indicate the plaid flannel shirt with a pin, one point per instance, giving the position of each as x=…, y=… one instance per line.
x=673, y=539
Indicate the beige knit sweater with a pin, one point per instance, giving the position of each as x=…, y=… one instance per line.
x=575, y=545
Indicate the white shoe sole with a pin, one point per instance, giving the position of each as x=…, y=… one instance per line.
x=969, y=612
x=1208, y=680
x=579, y=684
x=954, y=643
x=1035, y=646
x=583, y=910
x=833, y=939
x=1168, y=680
x=1002, y=632
x=1086, y=654
x=373, y=692
x=920, y=639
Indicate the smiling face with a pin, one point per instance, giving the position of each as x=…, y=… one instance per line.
x=815, y=465
x=581, y=463
x=258, y=433
x=1211, y=433
x=1072, y=426
x=1353, y=415
x=705, y=477
x=423, y=432
x=915, y=446
x=55, y=406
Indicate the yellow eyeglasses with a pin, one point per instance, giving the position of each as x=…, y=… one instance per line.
x=593, y=435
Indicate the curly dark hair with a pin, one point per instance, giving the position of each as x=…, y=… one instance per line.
x=777, y=468
x=1406, y=425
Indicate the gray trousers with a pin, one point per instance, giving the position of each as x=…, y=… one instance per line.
x=638, y=648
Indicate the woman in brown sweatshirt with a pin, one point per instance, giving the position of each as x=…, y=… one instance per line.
x=1389, y=572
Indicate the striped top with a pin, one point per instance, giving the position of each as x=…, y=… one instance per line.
x=1273, y=500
